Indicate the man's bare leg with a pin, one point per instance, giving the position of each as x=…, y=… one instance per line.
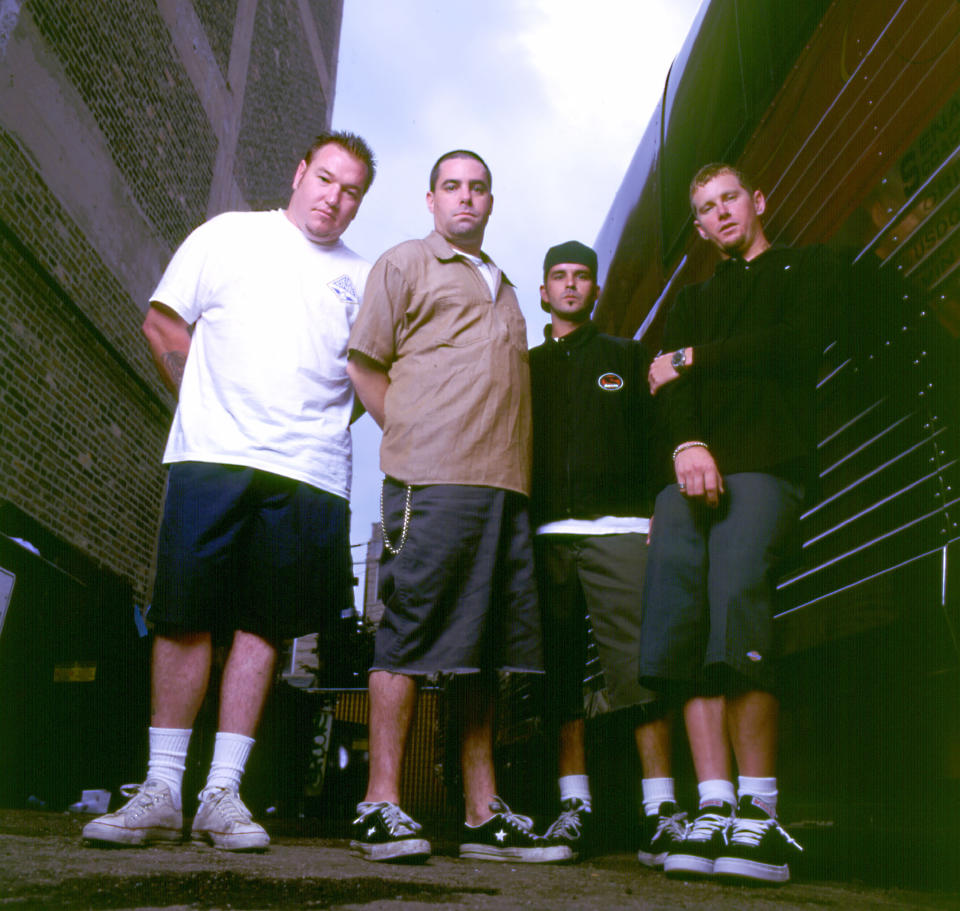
x=514, y=838
x=247, y=676
x=752, y=720
x=705, y=718
x=661, y=834
x=576, y=801
x=222, y=819
x=180, y=672
x=392, y=701
x=654, y=739
x=572, y=758
x=705, y=836
x=759, y=848
x=654, y=746
x=179, y=678
x=475, y=707
x=387, y=833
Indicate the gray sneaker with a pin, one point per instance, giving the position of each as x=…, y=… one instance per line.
x=147, y=818
x=223, y=821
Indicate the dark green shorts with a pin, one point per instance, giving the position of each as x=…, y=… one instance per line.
x=591, y=584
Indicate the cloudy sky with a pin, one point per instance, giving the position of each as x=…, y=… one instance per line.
x=554, y=94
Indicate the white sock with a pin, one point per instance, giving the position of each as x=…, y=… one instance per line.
x=764, y=788
x=716, y=790
x=655, y=792
x=576, y=786
x=230, y=752
x=168, y=758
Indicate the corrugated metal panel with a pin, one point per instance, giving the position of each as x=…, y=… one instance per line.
x=860, y=146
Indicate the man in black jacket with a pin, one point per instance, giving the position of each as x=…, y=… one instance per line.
x=738, y=387
x=592, y=492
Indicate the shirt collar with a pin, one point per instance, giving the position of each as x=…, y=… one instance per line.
x=738, y=262
x=444, y=251
x=580, y=336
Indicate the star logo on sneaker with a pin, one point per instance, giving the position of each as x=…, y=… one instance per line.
x=500, y=836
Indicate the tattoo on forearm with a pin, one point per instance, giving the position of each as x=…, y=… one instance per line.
x=174, y=362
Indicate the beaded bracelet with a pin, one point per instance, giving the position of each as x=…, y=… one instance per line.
x=688, y=445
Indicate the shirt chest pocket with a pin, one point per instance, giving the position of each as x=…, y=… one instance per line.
x=459, y=322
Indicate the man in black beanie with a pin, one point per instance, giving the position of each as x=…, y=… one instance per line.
x=593, y=490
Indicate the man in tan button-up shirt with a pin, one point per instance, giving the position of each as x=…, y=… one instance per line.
x=438, y=356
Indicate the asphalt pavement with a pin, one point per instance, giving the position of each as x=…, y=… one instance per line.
x=44, y=864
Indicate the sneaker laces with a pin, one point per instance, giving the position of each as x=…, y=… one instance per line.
x=227, y=803
x=567, y=825
x=746, y=831
x=675, y=824
x=524, y=823
x=704, y=826
x=397, y=822
x=142, y=796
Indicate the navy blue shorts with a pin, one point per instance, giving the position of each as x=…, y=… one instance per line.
x=243, y=549
x=711, y=582
x=461, y=595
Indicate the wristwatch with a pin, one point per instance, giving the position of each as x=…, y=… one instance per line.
x=678, y=360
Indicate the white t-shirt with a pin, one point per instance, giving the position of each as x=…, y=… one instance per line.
x=605, y=525
x=265, y=383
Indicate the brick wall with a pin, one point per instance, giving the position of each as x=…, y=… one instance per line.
x=83, y=420
x=119, y=57
x=115, y=121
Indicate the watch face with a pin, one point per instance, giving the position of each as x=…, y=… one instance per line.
x=679, y=360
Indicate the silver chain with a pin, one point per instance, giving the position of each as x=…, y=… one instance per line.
x=395, y=551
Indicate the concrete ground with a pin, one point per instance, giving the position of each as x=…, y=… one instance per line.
x=43, y=864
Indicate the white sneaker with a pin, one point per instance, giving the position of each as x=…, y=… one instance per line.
x=223, y=821
x=148, y=817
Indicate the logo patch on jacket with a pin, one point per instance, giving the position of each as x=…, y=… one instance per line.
x=610, y=382
x=344, y=289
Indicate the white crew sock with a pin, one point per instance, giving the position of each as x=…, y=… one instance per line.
x=764, y=788
x=576, y=786
x=714, y=790
x=168, y=758
x=230, y=752
x=655, y=792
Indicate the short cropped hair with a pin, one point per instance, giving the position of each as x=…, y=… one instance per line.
x=349, y=142
x=715, y=169
x=457, y=153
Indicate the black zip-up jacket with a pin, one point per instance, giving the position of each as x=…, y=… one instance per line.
x=758, y=331
x=593, y=428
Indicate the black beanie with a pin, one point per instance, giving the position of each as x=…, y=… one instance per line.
x=570, y=252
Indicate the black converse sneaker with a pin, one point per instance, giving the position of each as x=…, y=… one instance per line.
x=661, y=834
x=510, y=836
x=383, y=832
x=703, y=842
x=758, y=848
x=572, y=827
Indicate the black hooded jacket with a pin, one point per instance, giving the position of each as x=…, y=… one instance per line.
x=594, y=428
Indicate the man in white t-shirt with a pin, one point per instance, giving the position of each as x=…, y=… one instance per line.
x=254, y=545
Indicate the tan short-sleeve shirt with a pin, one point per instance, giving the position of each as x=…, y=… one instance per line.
x=457, y=409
